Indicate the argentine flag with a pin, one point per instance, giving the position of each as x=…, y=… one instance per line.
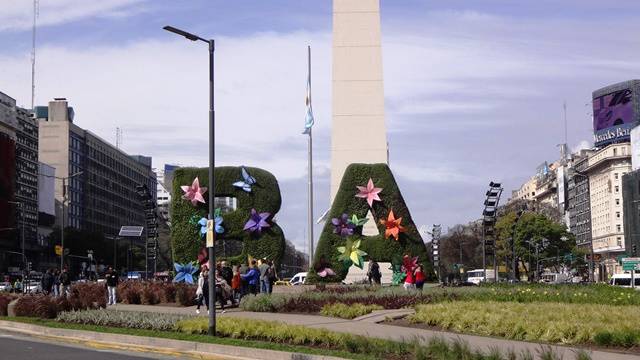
x=308, y=119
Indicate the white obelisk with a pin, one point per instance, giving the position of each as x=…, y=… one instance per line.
x=358, y=128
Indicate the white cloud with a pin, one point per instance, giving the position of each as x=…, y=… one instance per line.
x=18, y=14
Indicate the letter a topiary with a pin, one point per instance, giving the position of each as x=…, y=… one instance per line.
x=264, y=197
x=378, y=247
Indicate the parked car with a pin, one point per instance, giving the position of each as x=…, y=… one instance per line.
x=5, y=286
x=32, y=287
x=624, y=280
x=555, y=278
x=298, y=279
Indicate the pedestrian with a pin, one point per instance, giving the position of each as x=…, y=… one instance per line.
x=409, y=281
x=111, y=278
x=46, y=283
x=253, y=278
x=56, y=283
x=223, y=291
x=374, y=272
x=264, y=279
x=17, y=286
x=272, y=276
x=244, y=283
x=419, y=277
x=235, y=285
x=226, y=272
x=65, y=283
x=202, y=292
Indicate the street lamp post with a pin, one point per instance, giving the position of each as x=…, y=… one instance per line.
x=212, y=116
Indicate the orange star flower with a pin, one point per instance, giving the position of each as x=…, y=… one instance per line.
x=393, y=227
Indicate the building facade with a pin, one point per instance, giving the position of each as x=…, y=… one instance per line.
x=27, y=178
x=631, y=212
x=605, y=170
x=95, y=181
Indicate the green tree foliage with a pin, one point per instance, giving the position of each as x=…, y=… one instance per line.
x=264, y=197
x=377, y=247
x=532, y=231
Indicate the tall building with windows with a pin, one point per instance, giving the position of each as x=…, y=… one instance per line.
x=95, y=181
x=605, y=169
x=27, y=177
x=579, y=204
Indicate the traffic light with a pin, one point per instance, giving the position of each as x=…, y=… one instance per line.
x=29, y=266
x=633, y=250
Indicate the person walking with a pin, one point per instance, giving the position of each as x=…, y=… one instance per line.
x=226, y=272
x=253, y=278
x=46, y=283
x=202, y=292
x=65, y=283
x=244, y=283
x=410, y=280
x=111, y=278
x=17, y=286
x=374, y=272
x=235, y=285
x=264, y=279
x=419, y=277
x=223, y=291
x=272, y=276
x=56, y=283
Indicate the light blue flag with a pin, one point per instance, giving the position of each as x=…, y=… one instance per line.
x=308, y=119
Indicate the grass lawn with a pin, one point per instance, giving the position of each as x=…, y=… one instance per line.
x=605, y=325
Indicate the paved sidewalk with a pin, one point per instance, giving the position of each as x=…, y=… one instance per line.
x=366, y=327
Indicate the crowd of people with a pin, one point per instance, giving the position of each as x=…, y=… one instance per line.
x=55, y=282
x=232, y=283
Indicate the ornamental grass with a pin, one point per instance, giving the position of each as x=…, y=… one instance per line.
x=607, y=325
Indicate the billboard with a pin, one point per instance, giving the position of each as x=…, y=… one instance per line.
x=615, y=112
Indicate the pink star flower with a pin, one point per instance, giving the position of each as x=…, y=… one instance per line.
x=194, y=192
x=369, y=192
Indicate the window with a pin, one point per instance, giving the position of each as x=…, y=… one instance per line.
x=619, y=240
x=617, y=201
x=615, y=152
x=618, y=214
x=617, y=188
x=615, y=176
x=618, y=228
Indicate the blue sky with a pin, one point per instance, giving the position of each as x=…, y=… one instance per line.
x=473, y=89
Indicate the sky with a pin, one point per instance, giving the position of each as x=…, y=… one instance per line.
x=474, y=90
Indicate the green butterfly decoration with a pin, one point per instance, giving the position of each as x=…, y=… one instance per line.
x=351, y=253
x=356, y=221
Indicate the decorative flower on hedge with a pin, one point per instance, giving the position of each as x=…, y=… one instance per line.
x=257, y=221
x=246, y=182
x=194, y=220
x=369, y=192
x=398, y=275
x=409, y=263
x=184, y=272
x=218, y=223
x=393, y=227
x=357, y=221
x=322, y=268
x=194, y=192
x=342, y=226
x=351, y=253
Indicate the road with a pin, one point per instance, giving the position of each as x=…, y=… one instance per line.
x=20, y=347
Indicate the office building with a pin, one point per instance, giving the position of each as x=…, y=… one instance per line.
x=578, y=199
x=95, y=186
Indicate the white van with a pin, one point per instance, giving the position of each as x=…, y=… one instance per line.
x=555, y=278
x=298, y=279
x=624, y=280
x=477, y=276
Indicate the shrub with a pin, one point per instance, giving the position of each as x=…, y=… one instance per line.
x=348, y=311
x=185, y=294
x=548, y=322
x=42, y=306
x=123, y=319
x=168, y=292
x=88, y=295
x=150, y=295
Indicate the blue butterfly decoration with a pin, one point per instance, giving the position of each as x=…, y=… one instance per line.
x=184, y=272
x=247, y=181
x=218, y=223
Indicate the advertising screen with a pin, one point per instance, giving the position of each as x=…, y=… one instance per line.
x=612, y=110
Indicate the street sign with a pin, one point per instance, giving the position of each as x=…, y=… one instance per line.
x=210, y=235
x=630, y=263
x=58, y=250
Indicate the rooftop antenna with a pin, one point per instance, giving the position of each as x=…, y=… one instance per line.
x=118, y=137
x=564, y=106
x=36, y=12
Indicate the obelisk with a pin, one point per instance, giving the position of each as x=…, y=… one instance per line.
x=358, y=128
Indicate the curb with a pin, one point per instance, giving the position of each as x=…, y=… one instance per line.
x=157, y=345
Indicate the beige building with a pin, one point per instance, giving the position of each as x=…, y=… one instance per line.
x=526, y=192
x=358, y=127
x=605, y=169
x=541, y=188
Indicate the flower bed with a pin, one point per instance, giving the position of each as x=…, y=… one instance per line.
x=606, y=325
x=348, y=311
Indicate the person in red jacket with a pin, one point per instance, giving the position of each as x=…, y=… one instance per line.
x=419, y=277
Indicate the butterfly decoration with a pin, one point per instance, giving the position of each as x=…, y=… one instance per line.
x=392, y=225
x=246, y=182
x=351, y=253
x=257, y=221
x=369, y=192
x=194, y=192
x=342, y=226
x=322, y=268
x=409, y=263
x=184, y=272
x=356, y=221
x=218, y=223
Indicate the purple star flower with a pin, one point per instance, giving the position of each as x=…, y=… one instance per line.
x=257, y=221
x=342, y=225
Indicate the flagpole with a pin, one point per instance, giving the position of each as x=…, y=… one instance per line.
x=310, y=154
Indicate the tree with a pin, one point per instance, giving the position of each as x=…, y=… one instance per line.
x=462, y=244
x=535, y=235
